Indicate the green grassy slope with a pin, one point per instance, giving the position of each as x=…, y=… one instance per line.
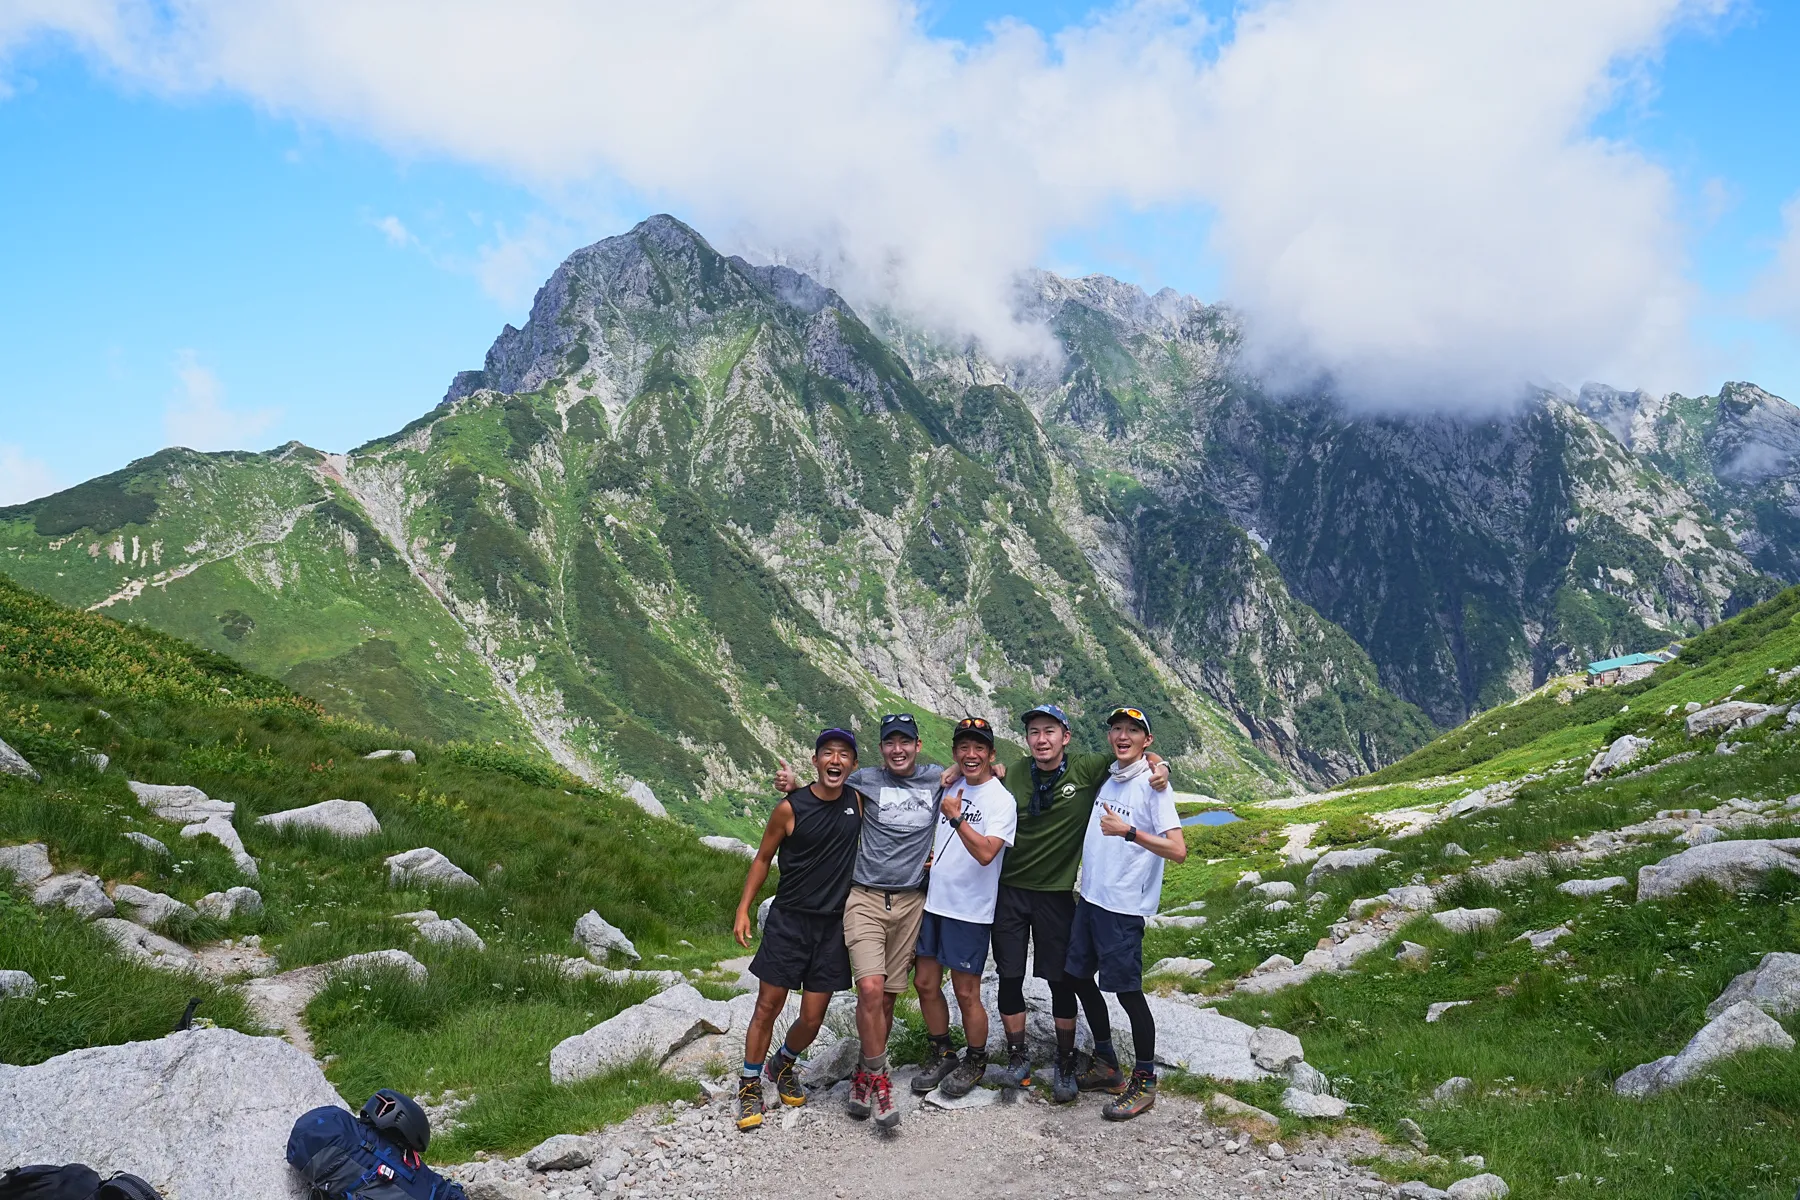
x=546, y=849
x=1547, y=1032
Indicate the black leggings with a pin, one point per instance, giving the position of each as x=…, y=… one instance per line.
x=1143, y=1025
x=1012, y=999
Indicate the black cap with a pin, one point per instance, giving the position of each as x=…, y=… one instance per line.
x=899, y=723
x=835, y=734
x=1130, y=714
x=973, y=727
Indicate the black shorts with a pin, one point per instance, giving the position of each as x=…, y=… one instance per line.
x=802, y=953
x=1042, y=919
x=1112, y=942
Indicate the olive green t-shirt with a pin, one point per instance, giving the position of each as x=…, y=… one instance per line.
x=1046, y=852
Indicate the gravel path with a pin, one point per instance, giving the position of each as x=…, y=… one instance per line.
x=1022, y=1148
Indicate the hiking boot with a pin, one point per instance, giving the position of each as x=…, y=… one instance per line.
x=881, y=1096
x=1066, y=1085
x=1137, y=1098
x=965, y=1075
x=859, y=1094
x=939, y=1062
x=1101, y=1076
x=750, y=1102
x=787, y=1082
x=1018, y=1069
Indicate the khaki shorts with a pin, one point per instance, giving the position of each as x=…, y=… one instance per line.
x=882, y=931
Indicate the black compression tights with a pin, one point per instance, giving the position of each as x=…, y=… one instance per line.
x=1143, y=1025
x=1012, y=999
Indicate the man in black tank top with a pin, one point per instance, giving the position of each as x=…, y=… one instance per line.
x=814, y=831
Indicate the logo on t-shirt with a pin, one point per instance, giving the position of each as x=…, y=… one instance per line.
x=1068, y=790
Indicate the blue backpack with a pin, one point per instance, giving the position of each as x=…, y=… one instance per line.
x=341, y=1158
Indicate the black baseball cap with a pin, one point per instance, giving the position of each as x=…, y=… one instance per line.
x=1130, y=714
x=835, y=734
x=973, y=727
x=899, y=723
x=1053, y=711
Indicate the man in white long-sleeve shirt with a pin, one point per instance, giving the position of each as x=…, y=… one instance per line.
x=1133, y=830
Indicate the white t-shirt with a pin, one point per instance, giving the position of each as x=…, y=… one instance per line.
x=961, y=887
x=1118, y=875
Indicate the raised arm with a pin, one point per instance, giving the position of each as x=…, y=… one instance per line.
x=781, y=823
x=985, y=847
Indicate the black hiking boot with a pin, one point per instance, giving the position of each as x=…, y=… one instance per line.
x=749, y=1102
x=965, y=1075
x=1066, y=1084
x=939, y=1062
x=787, y=1082
x=1018, y=1068
x=1101, y=1076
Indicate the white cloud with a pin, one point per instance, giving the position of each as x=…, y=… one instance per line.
x=196, y=416
x=23, y=478
x=1406, y=192
x=1776, y=293
x=395, y=231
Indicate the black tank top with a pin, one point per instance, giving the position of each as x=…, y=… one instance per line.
x=817, y=858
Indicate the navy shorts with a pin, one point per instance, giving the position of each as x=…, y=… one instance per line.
x=1108, y=941
x=958, y=945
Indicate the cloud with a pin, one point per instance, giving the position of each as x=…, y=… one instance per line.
x=197, y=418
x=395, y=231
x=23, y=478
x=1776, y=293
x=1405, y=194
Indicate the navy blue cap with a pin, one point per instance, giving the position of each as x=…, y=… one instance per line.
x=899, y=723
x=1053, y=711
x=835, y=734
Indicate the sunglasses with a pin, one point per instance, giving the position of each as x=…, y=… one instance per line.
x=899, y=717
x=1136, y=714
x=973, y=723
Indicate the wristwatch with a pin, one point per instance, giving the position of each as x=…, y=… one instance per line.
x=1131, y=834
x=956, y=822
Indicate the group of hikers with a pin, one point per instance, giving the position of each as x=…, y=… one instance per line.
x=912, y=867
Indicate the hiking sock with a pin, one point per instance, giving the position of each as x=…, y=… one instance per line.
x=1065, y=1040
x=1103, y=1050
x=877, y=1063
x=784, y=1053
x=752, y=1070
x=1015, y=1043
x=1147, y=1066
x=941, y=1042
x=976, y=1056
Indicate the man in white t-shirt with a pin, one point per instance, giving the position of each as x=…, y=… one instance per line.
x=976, y=822
x=1133, y=830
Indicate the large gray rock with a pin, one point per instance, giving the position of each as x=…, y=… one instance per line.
x=1200, y=1041
x=150, y=949
x=598, y=936
x=180, y=803
x=1312, y=1104
x=425, y=867
x=237, y=901
x=13, y=763
x=1308, y=1078
x=1275, y=1049
x=147, y=842
x=147, y=907
x=639, y=793
x=1733, y=866
x=1541, y=939
x=1338, y=862
x=1186, y=968
x=80, y=893
x=1738, y=1029
x=1773, y=985
x=829, y=1059
x=730, y=845
x=202, y=1115
x=560, y=1152
x=29, y=864
x=399, y=756
x=221, y=830
x=1722, y=716
x=451, y=933
x=652, y=1030
x=17, y=985
x=1621, y=753
x=343, y=818
x=1486, y=1186
x=1591, y=887
x=1278, y=889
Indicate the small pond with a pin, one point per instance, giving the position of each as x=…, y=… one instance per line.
x=1213, y=816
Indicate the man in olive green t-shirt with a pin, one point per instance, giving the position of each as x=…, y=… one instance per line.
x=1055, y=791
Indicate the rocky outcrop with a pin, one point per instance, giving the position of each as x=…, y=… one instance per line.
x=730, y=845
x=400, y=756
x=29, y=864
x=1339, y=862
x=341, y=818
x=1738, y=1029
x=147, y=842
x=427, y=868
x=232, y=902
x=79, y=893
x=1185, y=968
x=221, y=830
x=180, y=803
x=13, y=763
x=202, y=1115
x=1722, y=717
x=639, y=793
x=149, y=949
x=1622, y=753
x=1592, y=887
x=279, y=1000
x=599, y=937
x=652, y=1031
x=17, y=985
x=1468, y=920
x=1773, y=985
x=147, y=907
x=1733, y=866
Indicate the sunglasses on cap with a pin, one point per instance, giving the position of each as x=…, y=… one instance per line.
x=1133, y=714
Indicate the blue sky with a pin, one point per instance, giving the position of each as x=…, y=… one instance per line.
x=204, y=264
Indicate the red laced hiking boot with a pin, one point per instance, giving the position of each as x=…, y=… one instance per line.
x=859, y=1094
x=881, y=1092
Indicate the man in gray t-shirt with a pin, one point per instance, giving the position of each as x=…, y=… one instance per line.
x=887, y=899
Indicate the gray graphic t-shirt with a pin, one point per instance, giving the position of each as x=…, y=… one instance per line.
x=897, y=827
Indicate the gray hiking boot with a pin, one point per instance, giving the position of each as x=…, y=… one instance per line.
x=967, y=1073
x=1018, y=1069
x=938, y=1063
x=1066, y=1085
